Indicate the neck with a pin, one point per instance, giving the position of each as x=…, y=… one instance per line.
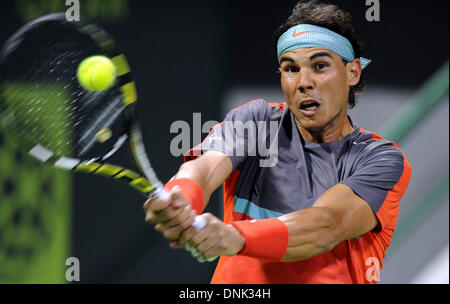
x=336, y=129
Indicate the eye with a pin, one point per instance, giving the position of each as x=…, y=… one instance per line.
x=321, y=66
x=290, y=69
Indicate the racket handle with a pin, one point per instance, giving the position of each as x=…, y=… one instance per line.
x=160, y=193
x=199, y=222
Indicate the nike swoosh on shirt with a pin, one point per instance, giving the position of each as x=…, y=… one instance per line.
x=295, y=34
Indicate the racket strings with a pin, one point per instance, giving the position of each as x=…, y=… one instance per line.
x=41, y=99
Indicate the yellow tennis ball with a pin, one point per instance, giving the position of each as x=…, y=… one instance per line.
x=96, y=73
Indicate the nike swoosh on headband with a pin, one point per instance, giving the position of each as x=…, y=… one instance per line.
x=295, y=34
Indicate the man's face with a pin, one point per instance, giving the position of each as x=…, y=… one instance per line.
x=316, y=84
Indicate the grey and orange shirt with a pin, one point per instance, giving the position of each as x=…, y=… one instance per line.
x=299, y=172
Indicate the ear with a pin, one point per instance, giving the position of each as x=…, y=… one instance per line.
x=353, y=72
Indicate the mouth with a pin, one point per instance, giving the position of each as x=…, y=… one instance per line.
x=309, y=107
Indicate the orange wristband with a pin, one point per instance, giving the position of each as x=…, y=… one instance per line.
x=190, y=190
x=264, y=239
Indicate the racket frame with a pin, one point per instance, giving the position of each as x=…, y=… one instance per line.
x=148, y=183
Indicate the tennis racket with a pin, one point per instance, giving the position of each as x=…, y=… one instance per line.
x=60, y=123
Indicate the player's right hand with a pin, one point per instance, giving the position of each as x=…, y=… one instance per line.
x=170, y=217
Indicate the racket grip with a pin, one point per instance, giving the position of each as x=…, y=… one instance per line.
x=160, y=193
x=199, y=222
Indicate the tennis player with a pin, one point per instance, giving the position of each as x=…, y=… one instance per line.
x=326, y=210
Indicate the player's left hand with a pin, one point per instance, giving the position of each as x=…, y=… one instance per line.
x=215, y=239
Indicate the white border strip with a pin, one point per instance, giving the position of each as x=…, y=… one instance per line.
x=67, y=163
x=41, y=153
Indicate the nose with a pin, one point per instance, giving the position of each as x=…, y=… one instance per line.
x=305, y=82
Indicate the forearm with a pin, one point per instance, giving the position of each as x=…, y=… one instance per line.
x=337, y=215
x=273, y=239
x=209, y=171
x=312, y=231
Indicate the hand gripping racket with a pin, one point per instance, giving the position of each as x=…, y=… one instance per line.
x=59, y=122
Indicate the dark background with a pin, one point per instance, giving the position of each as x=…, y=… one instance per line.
x=184, y=56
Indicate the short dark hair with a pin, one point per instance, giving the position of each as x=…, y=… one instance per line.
x=333, y=18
